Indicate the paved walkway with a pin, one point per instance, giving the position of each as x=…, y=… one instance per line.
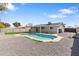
x=21, y=46
x=3, y=36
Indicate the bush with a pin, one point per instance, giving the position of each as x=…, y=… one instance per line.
x=2, y=25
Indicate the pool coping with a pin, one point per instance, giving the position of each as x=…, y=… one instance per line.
x=54, y=40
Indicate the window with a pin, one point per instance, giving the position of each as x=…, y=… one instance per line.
x=51, y=27
x=42, y=27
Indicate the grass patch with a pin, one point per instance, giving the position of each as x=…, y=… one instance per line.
x=36, y=41
x=12, y=33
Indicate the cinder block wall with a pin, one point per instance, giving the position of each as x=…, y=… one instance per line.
x=26, y=29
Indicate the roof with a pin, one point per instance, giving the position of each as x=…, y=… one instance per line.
x=52, y=24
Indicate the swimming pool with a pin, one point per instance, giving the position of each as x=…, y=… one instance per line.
x=41, y=36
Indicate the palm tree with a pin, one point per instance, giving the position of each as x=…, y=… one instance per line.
x=17, y=24
x=2, y=8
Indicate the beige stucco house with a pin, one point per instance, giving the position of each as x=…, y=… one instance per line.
x=49, y=28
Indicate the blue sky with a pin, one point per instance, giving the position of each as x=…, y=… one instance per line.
x=42, y=13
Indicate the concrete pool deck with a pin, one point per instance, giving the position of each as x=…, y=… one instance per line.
x=21, y=46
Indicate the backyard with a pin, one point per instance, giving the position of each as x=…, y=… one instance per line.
x=20, y=18
x=22, y=46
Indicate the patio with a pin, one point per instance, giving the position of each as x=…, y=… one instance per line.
x=21, y=46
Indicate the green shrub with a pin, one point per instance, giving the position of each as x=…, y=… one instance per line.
x=2, y=25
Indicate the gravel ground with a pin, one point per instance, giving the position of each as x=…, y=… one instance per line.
x=21, y=46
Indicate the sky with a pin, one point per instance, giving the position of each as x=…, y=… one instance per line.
x=41, y=13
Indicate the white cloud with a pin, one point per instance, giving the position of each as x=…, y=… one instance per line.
x=71, y=10
x=75, y=9
x=62, y=13
x=57, y=16
x=24, y=3
x=11, y=7
x=66, y=11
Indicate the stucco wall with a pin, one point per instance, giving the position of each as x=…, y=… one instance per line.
x=15, y=29
x=77, y=30
x=46, y=28
x=60, y=27
x=55, y=29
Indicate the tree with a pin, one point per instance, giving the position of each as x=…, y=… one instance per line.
x=16, y=24
x=7, y=25
x=3, y=6
x=4, y=25
x=49, y=23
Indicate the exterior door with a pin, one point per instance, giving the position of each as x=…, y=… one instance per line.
x=60, y=30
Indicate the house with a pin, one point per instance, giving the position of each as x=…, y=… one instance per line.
x=49, y=28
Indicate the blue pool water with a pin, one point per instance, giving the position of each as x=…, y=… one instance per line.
x=41, y=36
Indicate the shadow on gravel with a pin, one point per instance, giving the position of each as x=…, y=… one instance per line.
x=75, y=47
